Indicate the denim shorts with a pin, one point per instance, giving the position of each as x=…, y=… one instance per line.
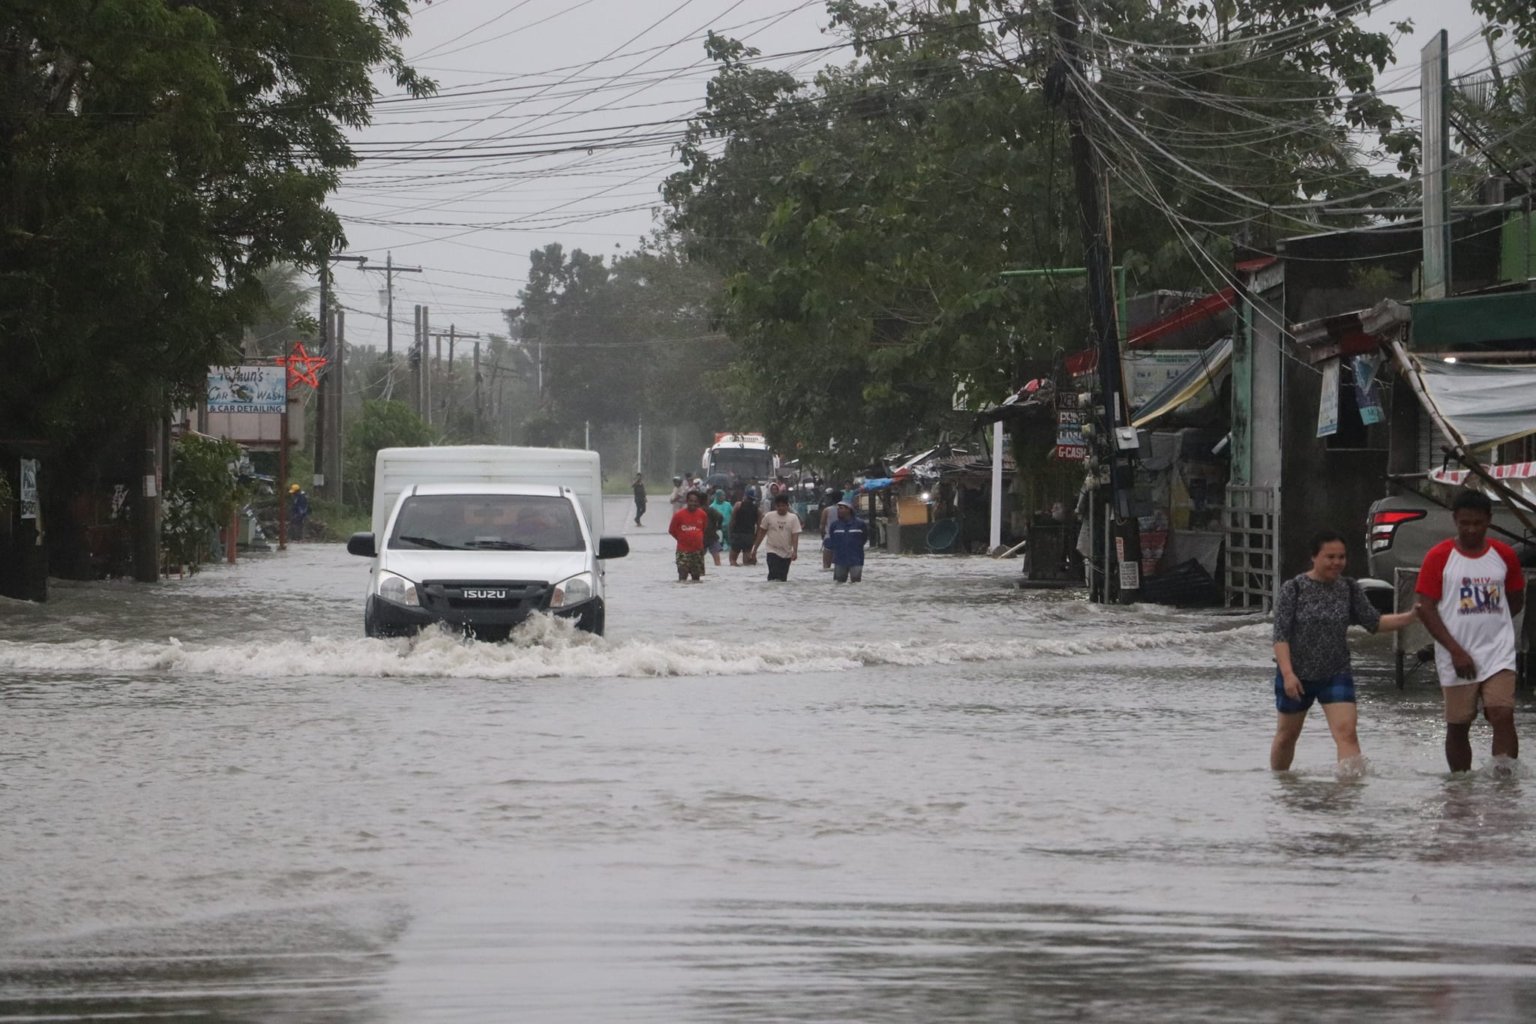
x=1340, y=689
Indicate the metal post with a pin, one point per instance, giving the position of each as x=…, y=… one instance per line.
x=322, y=400
x=477, y=391
x=1109, y=547
x=639, y=445
x=337, y=455
x=1088, y=559
x=282, y=481
x=996, y=537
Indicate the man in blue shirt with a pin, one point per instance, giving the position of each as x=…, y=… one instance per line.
x=298, y=511
x=846, y=537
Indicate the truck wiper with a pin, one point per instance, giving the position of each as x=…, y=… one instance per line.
x=428, y=542
x=500, y=545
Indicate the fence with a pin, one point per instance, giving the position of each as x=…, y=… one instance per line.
x=1252, y=526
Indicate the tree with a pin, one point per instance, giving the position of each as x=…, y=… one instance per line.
x=620, y=342
x=381, y=425
x=203, y=496
x=1495, y=117
x=1513, y=18
x=567, y=323
x=155, y=158
x=863, y=226
x=863, y=222
x=286, y=315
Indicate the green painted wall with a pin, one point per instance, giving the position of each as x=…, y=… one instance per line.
x=1519, y=250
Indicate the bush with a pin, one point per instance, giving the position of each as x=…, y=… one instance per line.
x=383, y=424
x=204, y=493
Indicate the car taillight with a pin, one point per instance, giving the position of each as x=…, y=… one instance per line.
x=1384, y=525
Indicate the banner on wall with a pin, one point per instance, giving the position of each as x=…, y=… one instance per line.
x=28, y=494
x=1328, y=403
x=1368, y=388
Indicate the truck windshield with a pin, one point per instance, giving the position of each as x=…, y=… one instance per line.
x=747, y=463
x=487, y=522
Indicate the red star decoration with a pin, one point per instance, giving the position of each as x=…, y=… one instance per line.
x=302, y=366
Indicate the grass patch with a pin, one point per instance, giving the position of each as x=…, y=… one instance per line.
x=333, y=521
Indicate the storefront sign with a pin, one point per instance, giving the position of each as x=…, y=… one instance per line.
x=1149, y=374
x=247, y=389
x=1071, y=446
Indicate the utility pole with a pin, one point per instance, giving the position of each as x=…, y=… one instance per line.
x=453, y=336
x=413, y=359
x=1125, y=552
x=327, y=396
x=425, y=379
x=477, y=391
x=390, y=270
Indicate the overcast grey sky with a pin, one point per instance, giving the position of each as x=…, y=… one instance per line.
x=518, y=149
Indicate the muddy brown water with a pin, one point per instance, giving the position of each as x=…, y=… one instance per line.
x=928, y=797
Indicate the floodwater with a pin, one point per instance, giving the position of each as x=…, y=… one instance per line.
x=930, y=797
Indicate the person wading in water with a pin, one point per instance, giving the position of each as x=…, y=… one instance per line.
x=1312, y=621
x=743, y=528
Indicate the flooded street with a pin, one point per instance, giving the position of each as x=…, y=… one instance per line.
x=927, y=797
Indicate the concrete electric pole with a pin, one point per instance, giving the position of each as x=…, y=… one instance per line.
x=1121, y=557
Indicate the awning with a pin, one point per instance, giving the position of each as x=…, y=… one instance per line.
x=1474, y=321
x=1188, y=384
x=1519, y=476
x=1168, y=329
x=1482, y=405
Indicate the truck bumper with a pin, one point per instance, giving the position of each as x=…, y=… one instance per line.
x=385, y=618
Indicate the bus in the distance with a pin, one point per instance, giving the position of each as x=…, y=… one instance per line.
x=746, y=455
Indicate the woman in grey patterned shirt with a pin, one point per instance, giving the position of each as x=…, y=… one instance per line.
x=1312, y=619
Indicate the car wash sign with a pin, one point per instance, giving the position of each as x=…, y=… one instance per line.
x=247, y=389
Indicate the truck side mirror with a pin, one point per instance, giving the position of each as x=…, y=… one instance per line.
x=611, y=547
x=362, y=544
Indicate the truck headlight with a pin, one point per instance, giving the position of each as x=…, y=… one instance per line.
x=398, y=589
x=572, y=591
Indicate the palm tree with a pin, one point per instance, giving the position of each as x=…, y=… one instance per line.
x=289, y=317
x=1494, y=113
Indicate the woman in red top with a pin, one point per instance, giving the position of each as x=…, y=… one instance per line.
x=687, y=528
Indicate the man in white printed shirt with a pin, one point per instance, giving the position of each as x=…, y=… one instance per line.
x=1470, y=589
x=781, y=529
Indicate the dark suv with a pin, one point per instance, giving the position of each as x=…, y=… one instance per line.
x=1400, y=530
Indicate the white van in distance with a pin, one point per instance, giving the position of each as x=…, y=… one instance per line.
x=479, y=537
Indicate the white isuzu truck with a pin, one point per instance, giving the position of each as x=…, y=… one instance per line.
x=479, y=537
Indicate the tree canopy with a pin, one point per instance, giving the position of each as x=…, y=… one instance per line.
x=155, y=158
x=621, y=341
x=863, y=222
